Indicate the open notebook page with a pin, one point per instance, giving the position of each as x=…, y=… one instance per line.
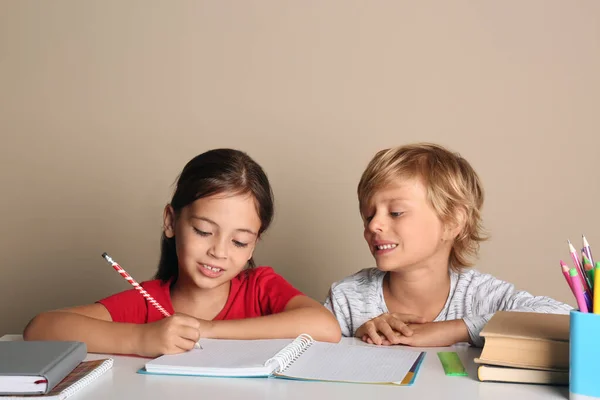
x=361, y=364
x=220, y=357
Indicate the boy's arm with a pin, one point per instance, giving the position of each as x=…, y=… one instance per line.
x=490, y=295
x=301, y=315
x=434, y=334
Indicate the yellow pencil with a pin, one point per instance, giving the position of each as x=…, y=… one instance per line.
x=596, y=305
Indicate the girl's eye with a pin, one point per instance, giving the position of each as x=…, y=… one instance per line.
x=396, y=214
x=368, y=219
x=239, y=244
x=201, y=233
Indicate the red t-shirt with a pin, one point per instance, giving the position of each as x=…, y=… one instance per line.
x=253, y=293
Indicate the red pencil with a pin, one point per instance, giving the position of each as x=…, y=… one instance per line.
x=140, y=289
x=136, y=285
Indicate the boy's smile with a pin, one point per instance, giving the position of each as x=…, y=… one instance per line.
x=383, y=247
x=402, y=228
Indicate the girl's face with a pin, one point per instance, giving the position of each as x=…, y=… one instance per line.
x=215, y=237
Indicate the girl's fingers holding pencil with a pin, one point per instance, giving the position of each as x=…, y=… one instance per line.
x=190, y=333
x=187, y=320
x=185, y=344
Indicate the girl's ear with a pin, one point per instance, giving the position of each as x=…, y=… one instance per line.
x=169, y=221
x=454, y=227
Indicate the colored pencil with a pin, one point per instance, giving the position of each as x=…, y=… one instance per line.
x=578, y=290
x=587, y=249
x=596, y=306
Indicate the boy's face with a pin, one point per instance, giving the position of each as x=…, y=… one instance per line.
x=403, y=231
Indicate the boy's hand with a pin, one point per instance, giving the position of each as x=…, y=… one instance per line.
x=388, y=328
x=435, y=334
x=175, y=334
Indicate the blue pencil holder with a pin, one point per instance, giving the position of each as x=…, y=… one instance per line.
x=584, y=356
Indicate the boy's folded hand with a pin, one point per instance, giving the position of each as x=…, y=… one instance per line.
x=436, y=334
x=388, y=328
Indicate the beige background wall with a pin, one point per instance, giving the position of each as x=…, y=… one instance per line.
x=102, y=103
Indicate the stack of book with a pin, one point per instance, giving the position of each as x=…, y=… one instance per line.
x=49, y=369
x=525, y=347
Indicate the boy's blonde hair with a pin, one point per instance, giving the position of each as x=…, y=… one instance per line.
x=452, y=187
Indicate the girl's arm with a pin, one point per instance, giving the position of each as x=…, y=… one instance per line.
x=90, y=323
x=93, y=325
x=301, y=315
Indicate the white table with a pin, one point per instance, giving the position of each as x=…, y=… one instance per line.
x=123, y=382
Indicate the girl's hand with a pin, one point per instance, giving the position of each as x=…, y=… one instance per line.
x=175, y=334
x=388, y=328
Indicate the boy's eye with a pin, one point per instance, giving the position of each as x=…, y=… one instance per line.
x=201, y=233
x=396, y=214
x=369, y=218
x=239, y=244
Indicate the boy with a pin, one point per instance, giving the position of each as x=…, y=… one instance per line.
x=421, y=206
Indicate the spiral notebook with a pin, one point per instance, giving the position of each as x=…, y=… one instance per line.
x=300, y=359
x=84, y=374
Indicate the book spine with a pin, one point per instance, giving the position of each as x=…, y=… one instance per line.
x=63, y=367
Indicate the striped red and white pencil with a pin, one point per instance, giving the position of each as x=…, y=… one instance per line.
x=136, y=285
x=139, y=288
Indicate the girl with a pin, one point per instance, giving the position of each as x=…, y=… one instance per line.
x=221, y=206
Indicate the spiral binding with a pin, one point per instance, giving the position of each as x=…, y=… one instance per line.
x=102, y=368
x=290, y=353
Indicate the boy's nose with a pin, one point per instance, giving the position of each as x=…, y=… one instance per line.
x=376, y=225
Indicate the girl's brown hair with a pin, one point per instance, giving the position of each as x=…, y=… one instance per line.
x=210, y=173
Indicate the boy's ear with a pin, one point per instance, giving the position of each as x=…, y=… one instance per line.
x=455, y=226
x=169, y=221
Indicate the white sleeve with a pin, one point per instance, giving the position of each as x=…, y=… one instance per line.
x=489, y=295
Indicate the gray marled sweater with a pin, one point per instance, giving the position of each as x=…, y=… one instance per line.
x=474, y=297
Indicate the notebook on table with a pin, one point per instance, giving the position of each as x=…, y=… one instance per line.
x=300, y=359
x=35, y=367
x=84, y=374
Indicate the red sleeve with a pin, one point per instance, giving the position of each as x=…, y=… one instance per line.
x=128, y=306
x=274, y=292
